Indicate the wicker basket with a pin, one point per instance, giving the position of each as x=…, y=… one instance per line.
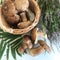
x=6, y=28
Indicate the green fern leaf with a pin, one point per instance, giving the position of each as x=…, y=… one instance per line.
x=13, y=52
x=2, y=51
x=7, y=53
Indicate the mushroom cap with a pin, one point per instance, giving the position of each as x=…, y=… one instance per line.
x=9, y=12
x=4, y=25
x=21, y=5
x=20, y=50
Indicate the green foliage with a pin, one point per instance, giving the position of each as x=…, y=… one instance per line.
x=10, y=41
x=50, y=15
x=0, y=2
x=50, y=20
x=13, y=53
x=7, y=53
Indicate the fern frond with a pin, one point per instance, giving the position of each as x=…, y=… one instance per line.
x=7, y=53
x=13, y=52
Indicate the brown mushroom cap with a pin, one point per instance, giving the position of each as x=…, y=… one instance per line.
x=24, y=46
x=21, y=5
x=20, y=50
x=44, y=45
x=9, y=12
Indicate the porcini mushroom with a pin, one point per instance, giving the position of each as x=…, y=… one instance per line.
x=22, y=25
x=9, y=12
x=27, y=41
x=34, y=35
x=35, y=51
x=44, y=45
x=21, y=5
x=20, y=50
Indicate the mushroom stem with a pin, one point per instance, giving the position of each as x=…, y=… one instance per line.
x=36, y=51
x=23, y=16
x=44, y=45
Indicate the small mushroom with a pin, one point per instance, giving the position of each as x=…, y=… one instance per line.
x=23, y=17
x=34, y=35
x=36, y=51
x=21, y=5
x=30, y=15
x=24, y=24
x=44, y=45
x=27, y=41
x=20, y=50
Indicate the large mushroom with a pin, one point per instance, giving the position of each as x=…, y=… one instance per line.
x=9, y=12
x=21, y=5
x=41, y=48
